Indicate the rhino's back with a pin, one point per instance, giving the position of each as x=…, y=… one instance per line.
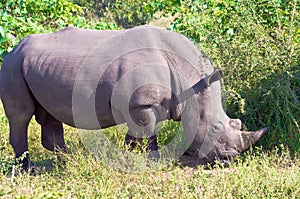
x=74, y=63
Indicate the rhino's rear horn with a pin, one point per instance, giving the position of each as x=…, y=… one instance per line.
x=216, y=75
x=200, y=86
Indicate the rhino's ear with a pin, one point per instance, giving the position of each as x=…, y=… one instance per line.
x=216, y=75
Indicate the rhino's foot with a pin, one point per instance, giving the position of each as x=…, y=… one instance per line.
x=27, y=167
x=132, y=142
x=154, y=155
x=35, y=170
x=24, y=162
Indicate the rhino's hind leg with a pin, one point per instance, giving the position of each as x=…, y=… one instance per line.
x=52, y=134
x=52, y=131
x=19, y=108
x=18, y=137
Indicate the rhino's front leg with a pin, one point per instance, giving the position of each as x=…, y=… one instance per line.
x=53, y=134
x=142, y=122
x=152, y=148
x=131, y=141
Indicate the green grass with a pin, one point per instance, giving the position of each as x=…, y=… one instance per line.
x=256, y=174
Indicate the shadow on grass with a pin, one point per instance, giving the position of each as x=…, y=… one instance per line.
x=46, y=165
x=9, y=168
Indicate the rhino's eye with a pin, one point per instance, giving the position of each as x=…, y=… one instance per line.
x=216, y=128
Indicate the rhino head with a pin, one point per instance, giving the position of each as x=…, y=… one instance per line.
x=213, y=135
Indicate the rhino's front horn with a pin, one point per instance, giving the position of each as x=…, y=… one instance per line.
x=249, y=138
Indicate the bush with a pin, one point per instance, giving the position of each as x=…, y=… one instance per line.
x=20, y=18
x=127, y=13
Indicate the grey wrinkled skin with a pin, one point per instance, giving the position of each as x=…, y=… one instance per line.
x=147, y=75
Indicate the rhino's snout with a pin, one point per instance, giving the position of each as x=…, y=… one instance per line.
x=224, y=153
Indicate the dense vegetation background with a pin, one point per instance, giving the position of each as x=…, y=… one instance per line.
x=256, y=43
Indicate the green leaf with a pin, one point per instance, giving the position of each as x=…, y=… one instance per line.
x=2, y=31
x=61, y=23
x=230, y=31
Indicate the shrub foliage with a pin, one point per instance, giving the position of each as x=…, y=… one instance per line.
x=20, y=18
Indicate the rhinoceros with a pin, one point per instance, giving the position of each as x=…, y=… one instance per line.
x=93, y=79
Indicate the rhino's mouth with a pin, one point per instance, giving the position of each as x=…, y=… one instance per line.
x=224, y=161
x=226, y=157
x=219, y=156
